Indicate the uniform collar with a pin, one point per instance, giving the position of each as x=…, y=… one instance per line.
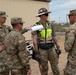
x=2, y=26
x=15, y=30
x=73, y=24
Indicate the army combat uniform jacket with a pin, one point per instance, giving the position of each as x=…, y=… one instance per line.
x=4, y=30
x=15, y=48
x=70, y=44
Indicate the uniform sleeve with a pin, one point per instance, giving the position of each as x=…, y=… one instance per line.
x=69, y=40
x=53, y=31
x=23, y=30
x=34, y=32
x=10, y=29
x=23, y=55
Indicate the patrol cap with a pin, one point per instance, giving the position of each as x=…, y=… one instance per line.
x=72, y=12
x=3, y=14
x=16, y=20
x=42, y=11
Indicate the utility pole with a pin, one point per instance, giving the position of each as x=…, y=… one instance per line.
x=66, y=19
x=59, y=20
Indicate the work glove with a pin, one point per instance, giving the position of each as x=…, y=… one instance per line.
x=58, y=50
x=33, y=55
x=36, y=56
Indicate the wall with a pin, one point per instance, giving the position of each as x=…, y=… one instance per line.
x=27, y=9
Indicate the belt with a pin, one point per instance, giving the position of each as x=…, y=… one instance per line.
x=45, y=46
x=48, y=41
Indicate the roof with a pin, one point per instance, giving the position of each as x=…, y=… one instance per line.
x=44, y=0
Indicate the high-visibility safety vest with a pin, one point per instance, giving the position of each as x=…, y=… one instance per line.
x=46, y=32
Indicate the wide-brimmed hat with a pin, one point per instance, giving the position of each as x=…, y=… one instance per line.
x=43, y=11
x=16, y=20
x=3, y=14
x=72, y=12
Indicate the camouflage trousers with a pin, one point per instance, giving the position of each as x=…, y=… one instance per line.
x=70, y=69
x=4, y=70
x=15, y=72
x=53, y=59
x=5, y=73
x=18, y=71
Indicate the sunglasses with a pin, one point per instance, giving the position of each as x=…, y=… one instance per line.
x=21, y=23
x=46, y=14
x=72, y=15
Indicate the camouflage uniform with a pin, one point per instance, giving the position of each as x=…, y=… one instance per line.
x=52, y=57
x=4, y=30
x=18, y=60
x=47, y=54
x=70, y=47
x=17, y=55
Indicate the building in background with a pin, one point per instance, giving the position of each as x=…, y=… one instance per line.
x=43, y=0
x=27, y=9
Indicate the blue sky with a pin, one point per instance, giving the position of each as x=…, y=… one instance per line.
x=60, y=8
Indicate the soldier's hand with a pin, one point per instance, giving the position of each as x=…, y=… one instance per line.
x=37, y=56
x=58, y=50
x=28, y=28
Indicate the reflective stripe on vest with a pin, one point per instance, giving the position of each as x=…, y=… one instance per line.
x=42, y=32
x=48, y=35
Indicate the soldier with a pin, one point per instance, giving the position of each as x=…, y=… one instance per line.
x=44, y=44
x=4, y=30
x=18, y=60
x=70, y=45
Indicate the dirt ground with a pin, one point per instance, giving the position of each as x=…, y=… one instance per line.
x=62, y=60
